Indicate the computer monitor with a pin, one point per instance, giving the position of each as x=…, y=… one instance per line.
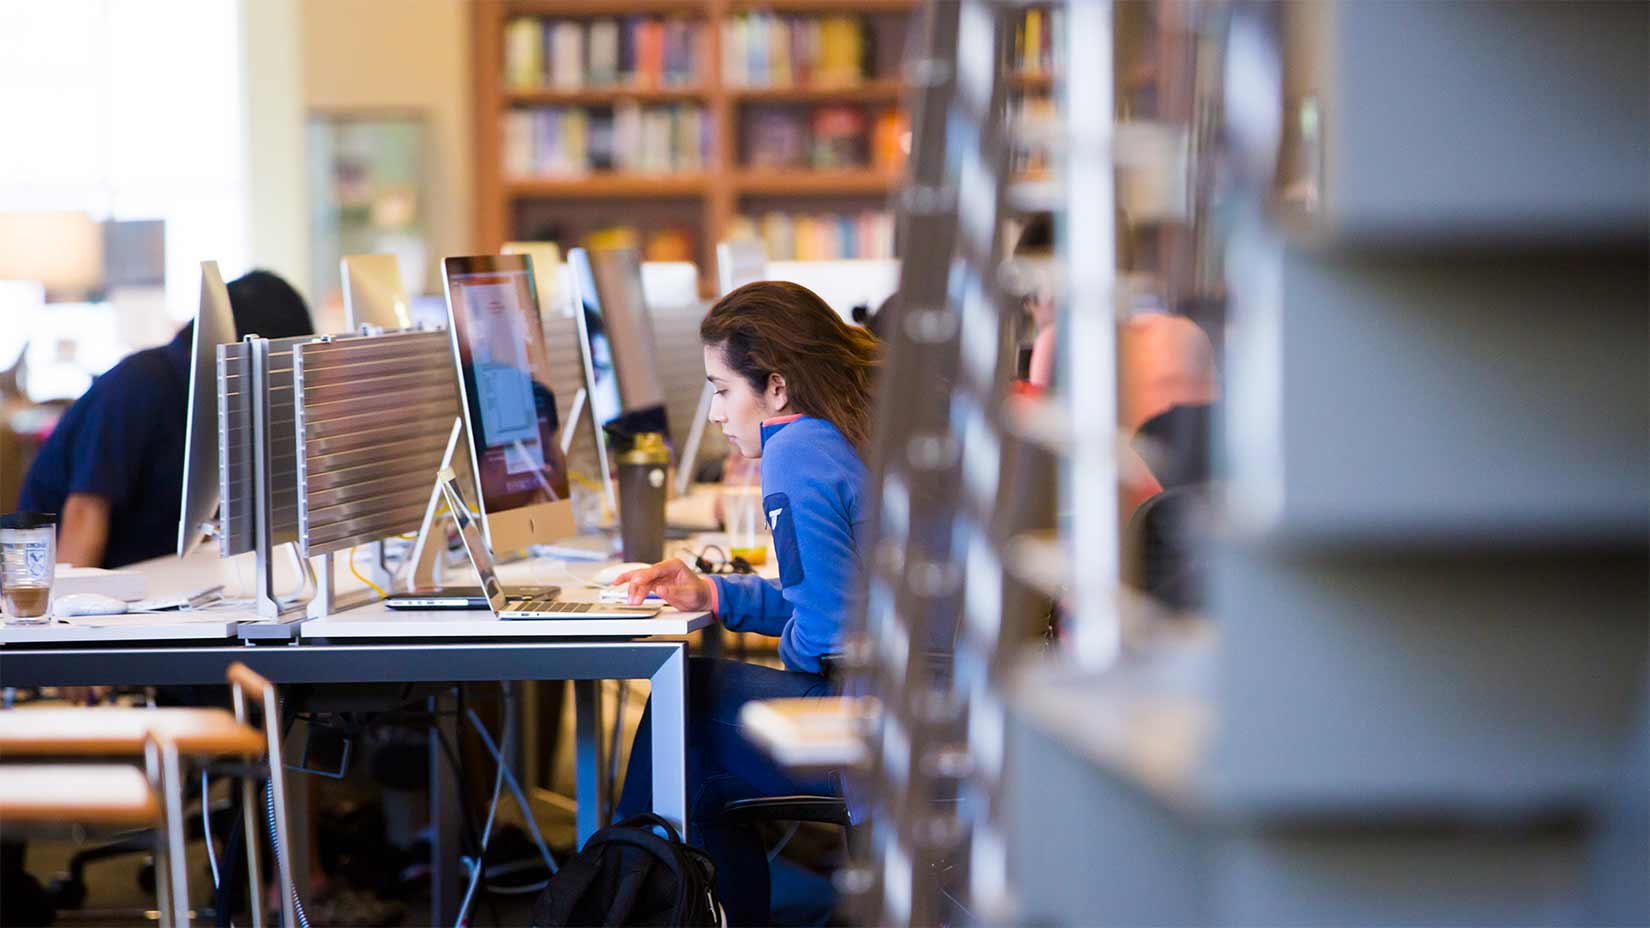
x=740, y=262
x=616, y=339
x=374, y=293
x=509, y=407
x=546, y=273
x=214, y=326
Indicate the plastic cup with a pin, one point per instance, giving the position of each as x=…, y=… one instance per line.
x=747, y=529
x=28, y=564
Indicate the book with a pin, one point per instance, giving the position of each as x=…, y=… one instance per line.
x=765, y=50
x=567, y=56
x=775, y=137
x=523, y=58
x=604, y=52
x=838, y=137
x=818, y=236
x=890, y=139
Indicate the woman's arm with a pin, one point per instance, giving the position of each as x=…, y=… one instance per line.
x=814, y=538
x=750, y=604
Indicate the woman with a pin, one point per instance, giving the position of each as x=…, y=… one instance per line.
x=792, y=387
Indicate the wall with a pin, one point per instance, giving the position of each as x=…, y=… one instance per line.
x=272, y=125
x=406, y=55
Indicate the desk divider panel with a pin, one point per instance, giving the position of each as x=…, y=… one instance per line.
x=235, y=448
x=372, y=419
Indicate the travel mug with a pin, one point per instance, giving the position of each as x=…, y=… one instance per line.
x=642, y=473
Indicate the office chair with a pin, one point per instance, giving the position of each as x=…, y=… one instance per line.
x=1165, y=552
x=817, y=809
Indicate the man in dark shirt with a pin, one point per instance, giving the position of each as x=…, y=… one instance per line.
x=113, y=467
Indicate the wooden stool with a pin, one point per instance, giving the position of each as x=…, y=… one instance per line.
x=161, y=737
x=112, y=795
x=243, y=681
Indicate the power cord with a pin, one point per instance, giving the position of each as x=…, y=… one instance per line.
x=480, y=863
x=362, y=577
x=515, y=790
x=723, y=565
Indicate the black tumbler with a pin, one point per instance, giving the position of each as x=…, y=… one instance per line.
x=642, y=478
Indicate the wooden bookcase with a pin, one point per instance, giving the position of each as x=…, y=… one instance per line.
x=509, y=208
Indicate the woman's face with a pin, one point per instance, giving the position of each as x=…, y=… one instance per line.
x=737, y=408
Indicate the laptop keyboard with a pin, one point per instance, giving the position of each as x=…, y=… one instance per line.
x=565, y=608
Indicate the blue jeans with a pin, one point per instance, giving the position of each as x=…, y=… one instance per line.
x=723, y=766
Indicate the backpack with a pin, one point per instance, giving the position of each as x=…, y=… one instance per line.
x=628, y=875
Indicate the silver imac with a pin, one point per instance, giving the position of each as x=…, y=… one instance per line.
x=616, y=339
x=374, y=293
x=509, y=408
x=214, y=326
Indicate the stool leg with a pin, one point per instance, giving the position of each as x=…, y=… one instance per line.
x=277, y=780
x=163, y=859
x=254, y=868
x=172, y=779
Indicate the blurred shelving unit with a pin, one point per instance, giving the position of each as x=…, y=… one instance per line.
x=1419, y=694
x=753, y=134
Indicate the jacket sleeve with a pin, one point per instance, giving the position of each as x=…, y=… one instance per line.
x=751, y=604
x=821, y=570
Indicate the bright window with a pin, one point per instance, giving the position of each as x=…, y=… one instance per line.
x=130, y=109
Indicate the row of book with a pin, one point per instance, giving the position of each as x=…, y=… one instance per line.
x=626, y=138
x=1032, y=51
x=764, y=50
x=819, y=236
x=566, y=54
x=829, y=137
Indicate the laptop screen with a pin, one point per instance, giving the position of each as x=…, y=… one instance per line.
x=470, y=531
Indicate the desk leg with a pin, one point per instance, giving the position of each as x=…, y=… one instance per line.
x=445, y=812
x=587, y=756
x=670, y=740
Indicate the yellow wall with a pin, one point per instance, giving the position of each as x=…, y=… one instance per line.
x=403, y=55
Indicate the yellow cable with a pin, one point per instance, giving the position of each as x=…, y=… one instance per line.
x=358, y=575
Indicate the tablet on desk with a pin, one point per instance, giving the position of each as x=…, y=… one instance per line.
x=463, y=597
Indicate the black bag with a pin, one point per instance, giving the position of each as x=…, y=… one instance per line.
x=628, y=875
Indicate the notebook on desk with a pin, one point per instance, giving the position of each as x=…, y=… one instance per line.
x=498, y=600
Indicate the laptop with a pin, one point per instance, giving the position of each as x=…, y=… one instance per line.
x=498, y=599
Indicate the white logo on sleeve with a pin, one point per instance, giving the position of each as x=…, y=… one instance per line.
x=773, y=518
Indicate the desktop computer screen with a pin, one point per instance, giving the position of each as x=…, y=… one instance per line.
x=214, y=326
x=374, y=293
x=616, y=337
x=509, y=407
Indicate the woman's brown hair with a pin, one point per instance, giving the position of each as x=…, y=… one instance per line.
x=773, y=327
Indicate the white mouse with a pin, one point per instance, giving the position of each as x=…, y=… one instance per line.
x=88, y=604
x=608, y=574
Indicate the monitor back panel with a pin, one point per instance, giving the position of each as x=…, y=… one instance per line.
x=373, y=415
x=235, y=481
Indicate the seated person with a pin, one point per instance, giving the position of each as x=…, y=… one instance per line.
x=112, y=468
x=792, y=387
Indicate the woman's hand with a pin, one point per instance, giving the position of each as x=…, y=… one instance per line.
x=672, y=581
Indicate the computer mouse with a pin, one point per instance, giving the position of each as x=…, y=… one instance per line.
x=608, y=574
x=88, y=604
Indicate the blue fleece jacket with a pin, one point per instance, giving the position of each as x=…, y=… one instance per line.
x=811, y=484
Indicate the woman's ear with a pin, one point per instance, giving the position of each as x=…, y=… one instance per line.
x=776, y=395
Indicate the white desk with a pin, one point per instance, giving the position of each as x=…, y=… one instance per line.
x=429, y=647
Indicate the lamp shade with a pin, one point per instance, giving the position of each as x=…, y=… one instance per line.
x=63, y=251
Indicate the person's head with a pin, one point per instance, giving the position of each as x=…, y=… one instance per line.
x=775, y=349
x=266, y=305
x=1034, y=250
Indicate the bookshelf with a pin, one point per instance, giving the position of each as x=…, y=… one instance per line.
x=810, y=138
